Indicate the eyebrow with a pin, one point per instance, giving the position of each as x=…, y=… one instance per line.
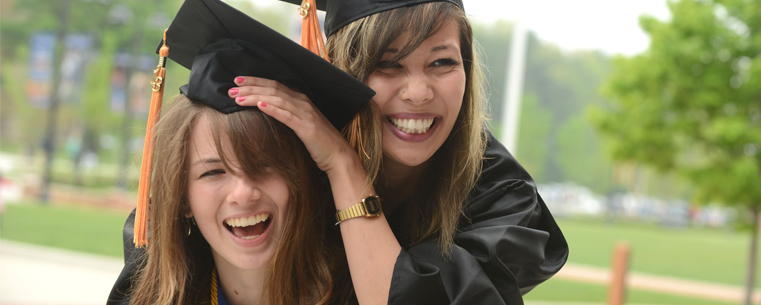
x=434, y=49
x=207, y=161
x=439, y=48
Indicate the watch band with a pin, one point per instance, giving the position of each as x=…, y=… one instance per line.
x=368, y=207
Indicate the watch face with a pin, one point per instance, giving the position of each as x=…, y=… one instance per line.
x=372, y=204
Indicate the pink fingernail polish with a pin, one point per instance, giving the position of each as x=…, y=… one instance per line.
x=240, y=99
x=234, y=91
x=239, y=80
x=262, y=104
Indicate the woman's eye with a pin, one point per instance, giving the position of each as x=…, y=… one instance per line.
x=444, y=62
x=212, y=173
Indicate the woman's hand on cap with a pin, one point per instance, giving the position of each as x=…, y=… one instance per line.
x=295, y=110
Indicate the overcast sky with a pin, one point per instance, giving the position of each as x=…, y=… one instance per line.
x=608, y=25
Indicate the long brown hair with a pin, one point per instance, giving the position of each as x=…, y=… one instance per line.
x=177, y=267
x=357, y=49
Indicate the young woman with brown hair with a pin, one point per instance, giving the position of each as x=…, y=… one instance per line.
x=234, y=194
x=238, y=210
x=462, y=220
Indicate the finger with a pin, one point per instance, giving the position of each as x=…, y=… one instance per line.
x=255, y=81
x=297, y=124
x=264, y=91
x=287, y=104
x=244, y=81
x=276, y=97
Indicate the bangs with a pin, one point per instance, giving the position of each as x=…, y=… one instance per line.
x=418, y=22
x=258, y=142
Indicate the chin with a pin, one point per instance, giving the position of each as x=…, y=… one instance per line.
x=243, y=260
x=410, y=158
x=253, y=262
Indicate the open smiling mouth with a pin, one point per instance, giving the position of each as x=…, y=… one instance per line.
x=413, y=126
x=249, y=227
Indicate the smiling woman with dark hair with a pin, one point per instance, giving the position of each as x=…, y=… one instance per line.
x=461, y=220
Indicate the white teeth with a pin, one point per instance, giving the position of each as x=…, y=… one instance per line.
x=250, y=237
x=247, y=221
x=413, y=126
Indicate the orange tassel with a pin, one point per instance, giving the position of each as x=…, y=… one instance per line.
x=146, y=169
x=311, y=35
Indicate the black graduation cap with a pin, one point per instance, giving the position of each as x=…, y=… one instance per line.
x=339, y=13
x=217, y=43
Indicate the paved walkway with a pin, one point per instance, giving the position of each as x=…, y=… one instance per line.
x=37, y=275
x=31, y=274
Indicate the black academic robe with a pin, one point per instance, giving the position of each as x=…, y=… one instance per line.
x=508, y=244
x=120, y=292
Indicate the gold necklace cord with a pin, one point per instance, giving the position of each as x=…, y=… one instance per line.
x=214, y=286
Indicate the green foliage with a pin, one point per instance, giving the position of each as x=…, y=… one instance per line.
x=535, y=125
x=581, y=155
x=690, y=103
x=96, y=99
x=559, y=86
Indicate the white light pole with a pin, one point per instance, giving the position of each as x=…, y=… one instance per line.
x=514, y=85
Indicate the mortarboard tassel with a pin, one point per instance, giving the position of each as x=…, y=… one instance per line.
x=146, y=168
x=311, y=35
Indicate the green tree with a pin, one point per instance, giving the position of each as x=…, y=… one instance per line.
x=691, y=103
x=535, y=125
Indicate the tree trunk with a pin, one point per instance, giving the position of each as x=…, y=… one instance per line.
x=50, y=130
x=749, y=281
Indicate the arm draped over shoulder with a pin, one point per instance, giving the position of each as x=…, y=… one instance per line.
x=507, y=244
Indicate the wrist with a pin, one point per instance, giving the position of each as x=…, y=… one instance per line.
x=346, y=166
x=368, y=207
x=349, y=182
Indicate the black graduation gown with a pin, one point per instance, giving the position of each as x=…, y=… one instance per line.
x=120, y=292
x=510, y=245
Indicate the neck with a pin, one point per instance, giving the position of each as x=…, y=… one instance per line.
x=398, y=182
x=240, y=286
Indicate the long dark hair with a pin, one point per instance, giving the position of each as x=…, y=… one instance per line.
x=357, y=48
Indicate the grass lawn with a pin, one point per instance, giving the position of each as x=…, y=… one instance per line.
x=692, y=253
x=566, y=291
x=89, y=230
x=710, y=255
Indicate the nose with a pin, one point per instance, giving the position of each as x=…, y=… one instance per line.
x=243, y=190
x=416, y=90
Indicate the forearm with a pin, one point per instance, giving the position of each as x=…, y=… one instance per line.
x=371, y=247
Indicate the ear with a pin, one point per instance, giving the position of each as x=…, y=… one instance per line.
x=186, y=211
x=185, y=208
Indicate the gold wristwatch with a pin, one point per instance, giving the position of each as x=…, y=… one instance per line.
x=368, y=207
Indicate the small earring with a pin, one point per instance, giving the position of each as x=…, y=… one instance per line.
x=190, y=227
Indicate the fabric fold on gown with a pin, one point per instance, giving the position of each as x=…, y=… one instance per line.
x=507, y=244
